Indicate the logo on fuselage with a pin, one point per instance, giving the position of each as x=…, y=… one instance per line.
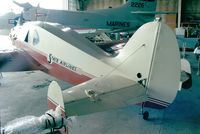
x=52, y=59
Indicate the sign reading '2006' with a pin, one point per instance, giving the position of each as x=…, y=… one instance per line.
x=137, y=4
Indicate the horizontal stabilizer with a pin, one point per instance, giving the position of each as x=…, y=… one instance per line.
x=98, y=94
x=55, y=97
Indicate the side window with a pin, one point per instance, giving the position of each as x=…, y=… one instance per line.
x=33, y=37
x=26, y=39
x=36, y=38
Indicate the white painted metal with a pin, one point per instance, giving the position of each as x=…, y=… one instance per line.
x=164, y=76
x=151, y=55
x=63, y=50
x=99, y=94
x=136, y=56
x=185, y=66
x=56, y=94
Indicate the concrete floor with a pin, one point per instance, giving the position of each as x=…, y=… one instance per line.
x=24, y=93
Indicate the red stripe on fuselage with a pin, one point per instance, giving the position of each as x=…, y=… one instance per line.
x=53, y=69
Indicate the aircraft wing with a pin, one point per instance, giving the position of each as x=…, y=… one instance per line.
x=98, y=94
x=154, y=12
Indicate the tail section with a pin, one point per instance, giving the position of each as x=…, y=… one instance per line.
x=164, y=74
x=152, y=57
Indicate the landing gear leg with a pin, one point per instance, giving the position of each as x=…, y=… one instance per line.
x=145, y=113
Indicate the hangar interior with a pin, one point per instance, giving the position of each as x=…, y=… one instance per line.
x=24, y=92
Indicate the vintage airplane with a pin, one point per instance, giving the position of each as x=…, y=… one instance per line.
x=148, y=71
x=121, y=18
x=7, y=22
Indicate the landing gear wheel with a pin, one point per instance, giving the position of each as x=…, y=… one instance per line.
x=146, y=115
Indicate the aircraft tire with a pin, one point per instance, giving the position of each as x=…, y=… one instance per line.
x=146, y=115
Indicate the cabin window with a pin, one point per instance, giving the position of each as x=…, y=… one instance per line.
x=26, y=39
x=35, y=36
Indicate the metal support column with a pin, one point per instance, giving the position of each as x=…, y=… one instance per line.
x=179, y=13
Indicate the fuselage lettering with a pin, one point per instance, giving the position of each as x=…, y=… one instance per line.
x=137, y=4
x=118, y=24
x=52, y=59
